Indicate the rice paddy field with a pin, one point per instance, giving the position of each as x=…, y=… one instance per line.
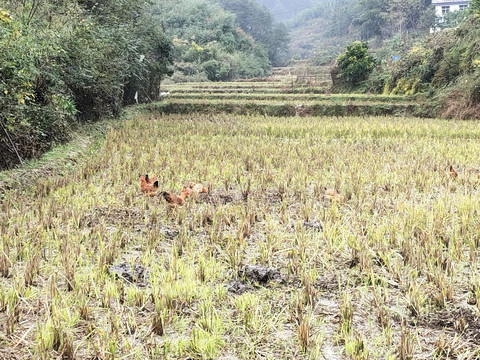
x=319, y=238
x=285, y=95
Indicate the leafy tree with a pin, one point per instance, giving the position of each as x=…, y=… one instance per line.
x=208, y=41
x=371, y=19
x=257, y=21
x=356, y=63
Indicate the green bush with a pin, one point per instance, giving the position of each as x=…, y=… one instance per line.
x=356, y=63
x=73, y=61
x=475, y=6
x=216, y=70
x=35, y=106
x=445, y=66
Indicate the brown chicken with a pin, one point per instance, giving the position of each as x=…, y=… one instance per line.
x=150, y=180
x=452, y=172
x=149, y=189
x=197, y=188
x=176, y=200
x=333, y=195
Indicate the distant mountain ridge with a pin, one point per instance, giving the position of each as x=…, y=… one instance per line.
x=286, y=9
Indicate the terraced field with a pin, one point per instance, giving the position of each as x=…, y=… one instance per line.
x=284, y=94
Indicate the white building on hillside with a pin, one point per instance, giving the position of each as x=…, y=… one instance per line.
x=443, y=7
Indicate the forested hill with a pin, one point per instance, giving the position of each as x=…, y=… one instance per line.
x=322, y=31
x=221, y=40
x=286, y=9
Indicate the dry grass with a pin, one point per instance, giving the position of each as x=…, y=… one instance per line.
x=393, y=274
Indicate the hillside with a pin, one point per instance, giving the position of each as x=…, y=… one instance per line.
x=286, y=9
x=444, y=66
x=220, y=40
x=321, y=32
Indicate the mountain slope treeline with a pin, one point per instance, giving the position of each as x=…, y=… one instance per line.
x=286, y=9
x=323, y=31
x=220, y=40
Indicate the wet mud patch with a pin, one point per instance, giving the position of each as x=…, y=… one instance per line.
x=313, y=225
x=218, y=198
x=460, y=320
x=132, y=273
x=238, y=287
x=261, y=274
x=112, y=216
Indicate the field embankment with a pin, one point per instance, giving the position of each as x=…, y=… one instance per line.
x=303, y=91
x=388, y=268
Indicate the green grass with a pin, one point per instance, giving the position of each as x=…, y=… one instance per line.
x=391, y=275
x=276, y=108
x=60, y=160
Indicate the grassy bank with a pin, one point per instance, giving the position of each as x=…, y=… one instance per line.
x=283, y=109
x=61, y=160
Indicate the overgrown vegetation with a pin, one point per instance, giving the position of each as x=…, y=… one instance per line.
x=75, y=60
x=221, y=40
x=445, y=66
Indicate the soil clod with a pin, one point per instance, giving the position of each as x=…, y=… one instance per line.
x=237, y=287
x=313, y=225
x=133, y=273
x=261, y=274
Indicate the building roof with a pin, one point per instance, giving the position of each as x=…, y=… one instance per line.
x=450, y=2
